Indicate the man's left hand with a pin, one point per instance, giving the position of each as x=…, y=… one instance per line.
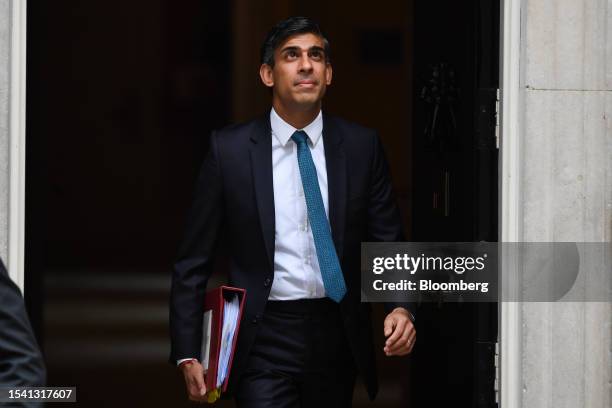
x=400, y=333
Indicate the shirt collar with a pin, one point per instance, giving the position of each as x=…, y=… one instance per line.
x=283, y=131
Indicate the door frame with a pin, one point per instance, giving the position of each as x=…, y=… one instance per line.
x=509, y=173
x=510, y=126
x=17, y=142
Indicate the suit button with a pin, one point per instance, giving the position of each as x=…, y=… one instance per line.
x=267, y=282
x=256, y=318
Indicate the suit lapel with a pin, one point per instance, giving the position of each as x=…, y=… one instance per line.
x=261, y=168
x=335, y=161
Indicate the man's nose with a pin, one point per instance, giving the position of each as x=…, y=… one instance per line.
x=305, y=63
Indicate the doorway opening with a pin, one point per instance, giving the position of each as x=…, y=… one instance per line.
x=120, y=106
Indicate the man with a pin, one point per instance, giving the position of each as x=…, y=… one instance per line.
x=21, y=364
x=295, y=192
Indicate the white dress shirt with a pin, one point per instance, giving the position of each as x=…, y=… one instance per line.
x=296, y=266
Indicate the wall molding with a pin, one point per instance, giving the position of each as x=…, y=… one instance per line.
x=509, y=380
x=17, y=142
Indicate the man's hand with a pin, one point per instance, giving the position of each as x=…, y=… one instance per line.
x=400, y=331
x=194, y=380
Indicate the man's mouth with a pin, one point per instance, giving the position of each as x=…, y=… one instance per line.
x=306, y=83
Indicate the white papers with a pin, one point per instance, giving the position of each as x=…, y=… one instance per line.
x=231, y=311
x=206, y=329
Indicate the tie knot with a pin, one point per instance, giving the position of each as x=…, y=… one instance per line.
x=299, y=137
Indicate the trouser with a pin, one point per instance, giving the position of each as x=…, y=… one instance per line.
x=300, y=358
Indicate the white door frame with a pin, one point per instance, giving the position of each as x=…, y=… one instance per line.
x=17, y=142
x=509, y=211
x=509, y=380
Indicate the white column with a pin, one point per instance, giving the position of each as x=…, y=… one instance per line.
x=12, y=135
x=564, y=176
x=509, y=370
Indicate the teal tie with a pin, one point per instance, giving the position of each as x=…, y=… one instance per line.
x=335, y=288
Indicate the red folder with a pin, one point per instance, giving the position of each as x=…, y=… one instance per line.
x=214, y=302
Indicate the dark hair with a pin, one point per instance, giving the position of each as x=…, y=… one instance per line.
x=285, y=29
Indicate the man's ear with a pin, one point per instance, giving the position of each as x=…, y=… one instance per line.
x=328, y=74
x=265, y=73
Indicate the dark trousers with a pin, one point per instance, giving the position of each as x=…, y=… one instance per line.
x=300, y=358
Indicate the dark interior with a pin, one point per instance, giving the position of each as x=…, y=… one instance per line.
x=121, y=98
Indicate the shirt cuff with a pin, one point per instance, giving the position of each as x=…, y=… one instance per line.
x=182, y=360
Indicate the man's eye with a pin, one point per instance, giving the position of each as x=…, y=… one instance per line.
x=317, y=55
x=291, y=54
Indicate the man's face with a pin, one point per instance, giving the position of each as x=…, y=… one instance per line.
x=300, y=74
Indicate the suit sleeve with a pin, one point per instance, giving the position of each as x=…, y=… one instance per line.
x=194, y=263
x=21, y=363
x=384, y=221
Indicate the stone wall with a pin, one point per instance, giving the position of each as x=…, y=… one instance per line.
x=566, y=186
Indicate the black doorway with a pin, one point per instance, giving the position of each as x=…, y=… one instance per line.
x=120, y=104
x=455, y=158
x=120, y=101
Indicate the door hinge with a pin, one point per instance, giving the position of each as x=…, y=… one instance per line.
x=497, y=119
x=497, y=376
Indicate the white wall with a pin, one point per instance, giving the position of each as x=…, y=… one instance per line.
x=564, y=350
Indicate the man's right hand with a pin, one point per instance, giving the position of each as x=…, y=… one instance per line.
x=194, y=380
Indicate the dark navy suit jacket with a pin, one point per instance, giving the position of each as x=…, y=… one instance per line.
x=21, y=364
x=234, y=194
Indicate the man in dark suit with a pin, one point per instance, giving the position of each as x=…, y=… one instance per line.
x=21, y=364
x=295, y=193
